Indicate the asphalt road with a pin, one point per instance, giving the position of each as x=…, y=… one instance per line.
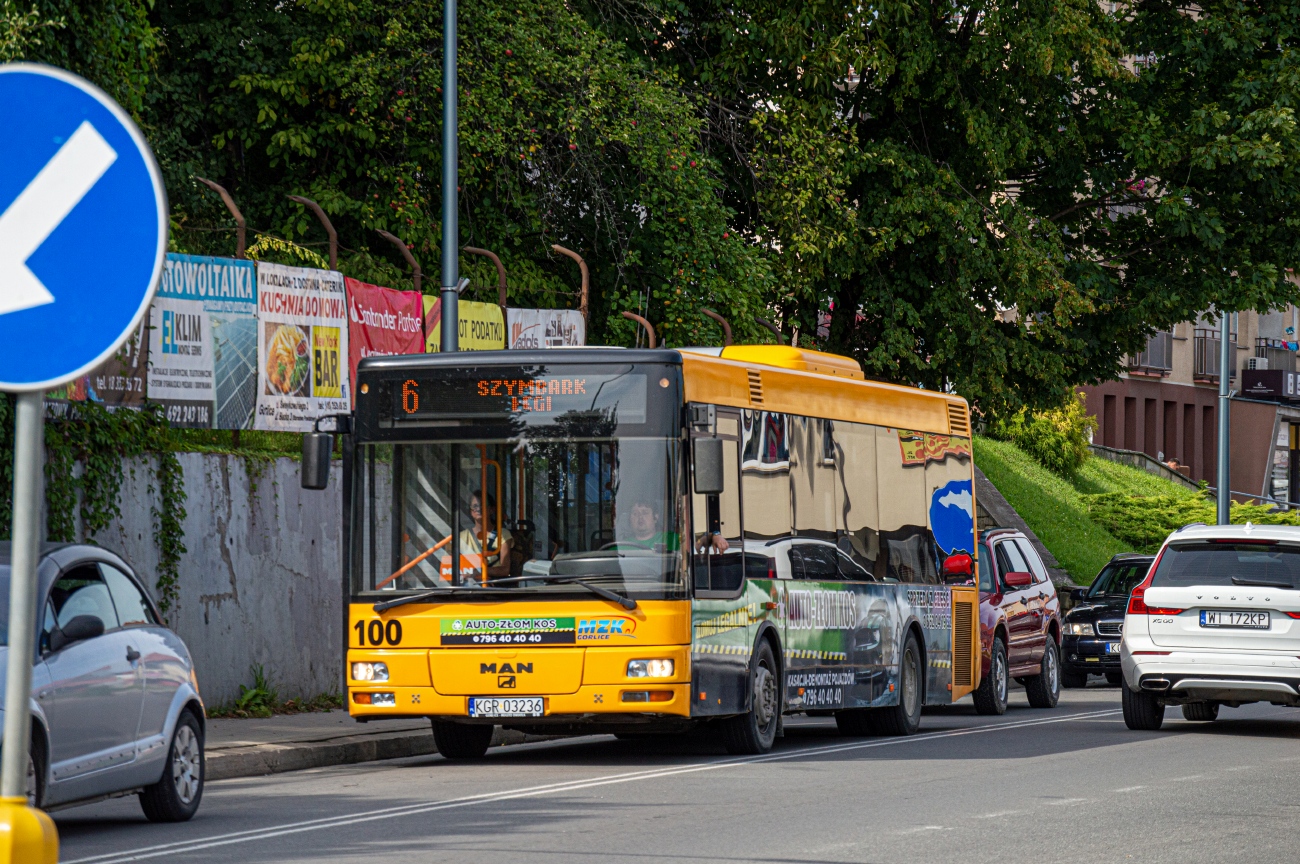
x=1071, y=784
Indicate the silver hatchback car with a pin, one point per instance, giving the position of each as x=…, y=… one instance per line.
x=115, y=703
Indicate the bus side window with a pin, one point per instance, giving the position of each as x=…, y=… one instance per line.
x=717, y=556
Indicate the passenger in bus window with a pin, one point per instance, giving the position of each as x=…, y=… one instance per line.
x=498, y=537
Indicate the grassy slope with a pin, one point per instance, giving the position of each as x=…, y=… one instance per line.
x=1051, y=506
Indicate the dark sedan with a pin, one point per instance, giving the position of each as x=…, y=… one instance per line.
x=1093, y=628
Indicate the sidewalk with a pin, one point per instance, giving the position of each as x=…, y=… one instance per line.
x=250, y=748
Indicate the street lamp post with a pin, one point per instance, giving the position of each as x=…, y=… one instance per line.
x=450, y=193
x=1224, y=478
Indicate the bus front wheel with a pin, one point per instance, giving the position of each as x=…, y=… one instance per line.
x=461, y=740
x=753, y=732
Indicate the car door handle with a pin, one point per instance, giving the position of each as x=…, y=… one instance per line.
x=132, y=655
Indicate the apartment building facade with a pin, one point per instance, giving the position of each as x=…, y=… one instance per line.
x=1165, y=402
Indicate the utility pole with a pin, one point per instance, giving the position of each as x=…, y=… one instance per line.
x=1227, y=358
x=450, y=177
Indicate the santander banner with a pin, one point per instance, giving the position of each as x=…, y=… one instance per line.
x=382, y=321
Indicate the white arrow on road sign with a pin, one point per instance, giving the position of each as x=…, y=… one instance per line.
x=42, y=207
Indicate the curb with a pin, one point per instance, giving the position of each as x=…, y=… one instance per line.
x=262, y=759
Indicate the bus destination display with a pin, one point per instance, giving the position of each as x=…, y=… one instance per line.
x=496, y=394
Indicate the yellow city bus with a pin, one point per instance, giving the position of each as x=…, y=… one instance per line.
x=606, y=540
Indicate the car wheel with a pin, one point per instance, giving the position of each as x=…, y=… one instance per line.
x=905, y=717
x=991, y=696
x=855, y=722
x=1044, y=689
x=1201, y=711
x=461, y=740
x=754, y=731
x=1115, y=679
x=1142, y=711
x=176, y=795
x=1074, y=680
x=35, y=771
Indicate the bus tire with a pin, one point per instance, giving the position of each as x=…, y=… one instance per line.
x=855, y=722
x=905, y=717
x=461, y=740
x=753, y=732
x=1044, y=689
x=991, y=696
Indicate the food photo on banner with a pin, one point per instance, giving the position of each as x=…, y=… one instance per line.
x=382, y=322
x=545, y=328
x=302, y=346
x=481, y=326
x=203, y=342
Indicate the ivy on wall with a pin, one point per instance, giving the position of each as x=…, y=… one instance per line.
x=85, y=449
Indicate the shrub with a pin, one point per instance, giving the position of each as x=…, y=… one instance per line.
x=1146, y=521
x=1057, y=438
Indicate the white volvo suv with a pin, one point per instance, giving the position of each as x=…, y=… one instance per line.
x=1215, y=622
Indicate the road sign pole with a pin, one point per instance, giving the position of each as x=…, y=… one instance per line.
x=30, y=834
x=450, y=181
x=28, y=477
x=1227, y=358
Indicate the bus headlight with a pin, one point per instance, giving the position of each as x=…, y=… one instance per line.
x=369, y=671
x=650, y=668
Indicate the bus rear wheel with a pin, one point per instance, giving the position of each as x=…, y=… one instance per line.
x=905, y=717
x=461, y=740
x=753, y=732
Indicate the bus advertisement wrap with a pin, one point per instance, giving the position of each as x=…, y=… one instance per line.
x=202, y=342
x=302, y=346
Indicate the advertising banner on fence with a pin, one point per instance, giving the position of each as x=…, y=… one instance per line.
x=302, y=347
x=203, y=341
x=382, y=321
x=118, y=382
x=481, y=326
x=546, y=328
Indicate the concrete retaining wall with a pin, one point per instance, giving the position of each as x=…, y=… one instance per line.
x=261, y=580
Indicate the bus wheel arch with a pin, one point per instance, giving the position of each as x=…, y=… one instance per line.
x=767, y=633
x=754, y=731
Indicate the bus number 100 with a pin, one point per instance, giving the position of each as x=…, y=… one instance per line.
x=378, y=633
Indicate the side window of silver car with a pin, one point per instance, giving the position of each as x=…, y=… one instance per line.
x=82, y=591
x=132, y=608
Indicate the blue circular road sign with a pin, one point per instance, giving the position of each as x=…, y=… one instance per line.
x=83, y=227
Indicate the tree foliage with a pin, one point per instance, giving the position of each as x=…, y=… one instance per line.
x=566, y=138
x=914, y=169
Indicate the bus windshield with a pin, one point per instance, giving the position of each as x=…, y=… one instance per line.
x=514, y=515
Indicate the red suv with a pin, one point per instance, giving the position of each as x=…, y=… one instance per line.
x=1020, y=623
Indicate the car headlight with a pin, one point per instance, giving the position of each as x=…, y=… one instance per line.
x=1076, y=628
x=369, y=671
x=650, y=668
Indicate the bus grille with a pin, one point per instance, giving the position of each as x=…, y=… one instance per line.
x=963, y=616
x=958, y=422
x=755, y=386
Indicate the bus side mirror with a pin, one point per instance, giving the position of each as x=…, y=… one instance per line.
x=707, y=467
x=316, y=450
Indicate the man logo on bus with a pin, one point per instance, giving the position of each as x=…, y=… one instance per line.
x=594, y=629
x=505, y=669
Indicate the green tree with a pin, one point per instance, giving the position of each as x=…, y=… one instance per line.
x=993, y=196
x=566, y=138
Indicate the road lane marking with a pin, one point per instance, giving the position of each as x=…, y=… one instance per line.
x=340, y=821
x=1130, y=789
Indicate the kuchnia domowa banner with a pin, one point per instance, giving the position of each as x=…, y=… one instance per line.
x=302, y=347
x=203, y=342
x=382, y=321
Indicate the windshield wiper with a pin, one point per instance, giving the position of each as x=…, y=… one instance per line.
x=612, y=596
x=385, y=605
x=1263, y=583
